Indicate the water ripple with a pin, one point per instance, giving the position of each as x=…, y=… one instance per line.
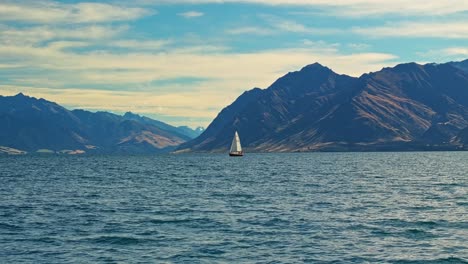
x=263, y=208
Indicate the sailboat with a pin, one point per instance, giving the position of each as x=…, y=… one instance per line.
x=236, y=149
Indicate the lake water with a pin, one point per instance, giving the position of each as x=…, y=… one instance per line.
x=261, y=208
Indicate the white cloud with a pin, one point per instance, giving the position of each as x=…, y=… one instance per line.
x=456, y=51
x=49, y=65
x=37, y=34
x=224, y=75
x=47, y=12
x=277, y=25
x=453, y=29
x=444, y=54
x=291, y=26
x=175, y=63
x=141, y=44
x=228, y=75
x=321, y=46
x=191, y=14
x=91, y=12
x=251, y=31
x=9, y=66
x=201, y=49
x=358, y=46
x=183, y=106
x=351, y=7
x=359, y=8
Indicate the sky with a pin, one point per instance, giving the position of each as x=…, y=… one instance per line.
x=183, y=61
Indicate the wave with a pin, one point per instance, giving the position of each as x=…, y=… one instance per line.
x=449, y=260
x=118, y=240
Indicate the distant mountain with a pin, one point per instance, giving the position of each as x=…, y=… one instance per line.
x=31, y=124
x=192, y=133
x=408, y=107
x=181, y=131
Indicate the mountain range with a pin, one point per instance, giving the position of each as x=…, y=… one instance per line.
x=406, y=107
x=37, y=125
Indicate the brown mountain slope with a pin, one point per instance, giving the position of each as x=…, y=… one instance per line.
x=29, y=124
x=404, y=107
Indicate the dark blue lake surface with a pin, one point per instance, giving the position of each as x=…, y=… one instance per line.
x=265, y=208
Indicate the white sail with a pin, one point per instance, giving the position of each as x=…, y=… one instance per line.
x=236, y=145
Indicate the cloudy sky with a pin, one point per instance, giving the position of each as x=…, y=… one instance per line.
x=182, y=61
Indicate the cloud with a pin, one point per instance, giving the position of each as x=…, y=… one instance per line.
x=177, y=108
x=191, y=14
x=277, y=25
x=38, y=34
x=200, y=49
x=262, y=31
x=295, y=27
x=134, y=80
x=353, y=8
x=227, y=76
x=84, y=55
x=450, y=29
x=176, y=63
x=443, y=55
x=358, y=8
x=358, y=46
x=456, y=51
x=9, y=66
x=48, y=12
x=141, y=44
x=321, y=46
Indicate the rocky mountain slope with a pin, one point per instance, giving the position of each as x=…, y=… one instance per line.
x=408, y=107
x=32, y=124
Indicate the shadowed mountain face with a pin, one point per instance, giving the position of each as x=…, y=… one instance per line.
x=31, y=124
x=407, y=107
x=463, y=65
x=182, y=131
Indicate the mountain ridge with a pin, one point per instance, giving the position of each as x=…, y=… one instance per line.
x=407, y=107
x=31, y=124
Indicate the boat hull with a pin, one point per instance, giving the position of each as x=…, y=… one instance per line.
x=236, y=154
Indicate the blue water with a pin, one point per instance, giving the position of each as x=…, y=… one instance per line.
x=262, y=208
